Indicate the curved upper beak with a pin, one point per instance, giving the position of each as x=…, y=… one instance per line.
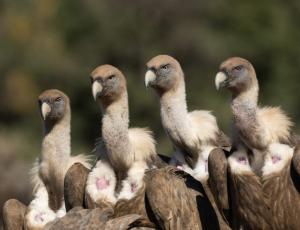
x=46, y=109
x=96, y=89
x=149, y=77
x=220, y=80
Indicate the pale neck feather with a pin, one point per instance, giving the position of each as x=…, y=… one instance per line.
x=245, y=103
x=115, y=135
x=56, y=144
x=244, y=109
x=174, y=111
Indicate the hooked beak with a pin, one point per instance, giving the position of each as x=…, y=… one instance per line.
x=96, y=89
x=149, y=77
x=220, y=80
x=46, y=109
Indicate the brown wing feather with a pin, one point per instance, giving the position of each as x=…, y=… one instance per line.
x=292, y=140
x=97, y=218
x=209, y=215
x=217, y=168
x=13, y=215
x=294, y=177
x=158, y=161
x=131, y=221
x=170, y=200
x=224, y=141
x=296, y=163
x=74, y=186
x=136, y=205
x=250, y=209
x=284, y=196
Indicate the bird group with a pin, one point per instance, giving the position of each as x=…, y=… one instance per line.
x=248, y=181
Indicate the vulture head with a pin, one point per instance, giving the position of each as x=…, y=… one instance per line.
x=53, y=105
x=108, y=84
x=164, y=73
x=237, y=75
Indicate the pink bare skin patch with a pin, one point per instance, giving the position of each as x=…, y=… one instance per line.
x=39, y=217
x=275, y=159
x=133, y=187
x=102, y=183
x=179, y=165
x=242, y=160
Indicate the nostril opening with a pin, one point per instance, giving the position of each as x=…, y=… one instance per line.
x=152, y=69
x=99, y=80
x=224, y=71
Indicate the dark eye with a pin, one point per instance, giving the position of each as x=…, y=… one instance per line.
x=239, y=67
x=165, y=67
x=111, y=77
x=58, y=99
x=92, y=80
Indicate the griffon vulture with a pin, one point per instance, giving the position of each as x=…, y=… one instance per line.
x=194, y=134
x=49, y=170
x=124, y=153
x=265, y=166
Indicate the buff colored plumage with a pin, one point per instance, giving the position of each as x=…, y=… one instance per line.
x=49, y=170
x=194, y=134
x=123, y=153
x=262, y=165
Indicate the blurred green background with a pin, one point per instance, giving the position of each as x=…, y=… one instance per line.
x=56, y=44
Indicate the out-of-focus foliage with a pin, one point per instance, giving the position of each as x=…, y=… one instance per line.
x=56, y=44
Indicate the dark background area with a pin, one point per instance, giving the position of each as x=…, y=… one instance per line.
x=56, y=44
